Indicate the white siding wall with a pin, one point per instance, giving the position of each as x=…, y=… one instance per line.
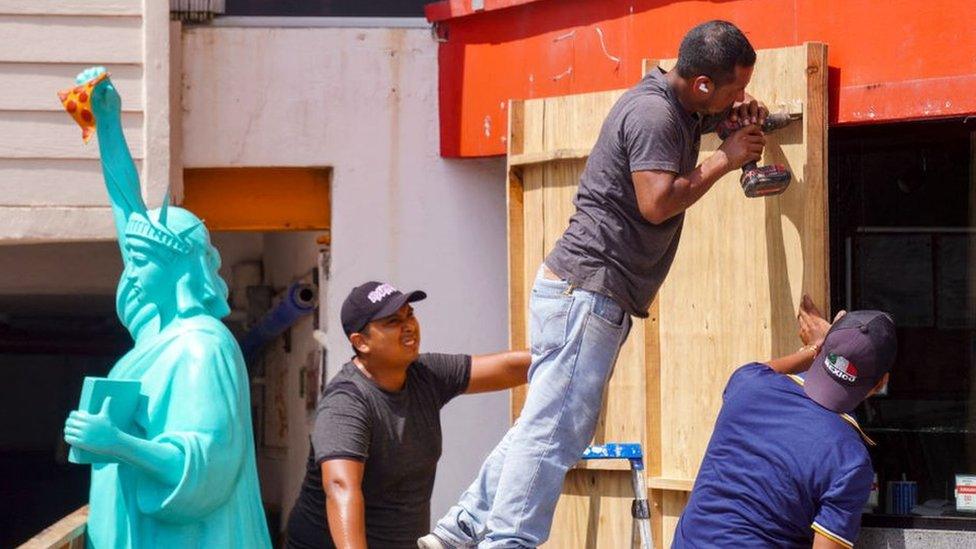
x=50, y=182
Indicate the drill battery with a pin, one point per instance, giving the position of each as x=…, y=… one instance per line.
x=757, y=180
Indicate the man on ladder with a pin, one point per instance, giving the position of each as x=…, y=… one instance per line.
x=641, y=176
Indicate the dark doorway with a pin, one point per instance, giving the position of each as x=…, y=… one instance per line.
x=48, y=344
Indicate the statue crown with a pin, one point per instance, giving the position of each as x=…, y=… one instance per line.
x=140, y=226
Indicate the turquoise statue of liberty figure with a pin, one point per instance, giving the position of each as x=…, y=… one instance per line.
x=184, y=473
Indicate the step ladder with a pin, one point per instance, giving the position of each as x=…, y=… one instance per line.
x=634, y=454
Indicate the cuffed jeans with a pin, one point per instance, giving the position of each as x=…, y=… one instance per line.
x=575, y=338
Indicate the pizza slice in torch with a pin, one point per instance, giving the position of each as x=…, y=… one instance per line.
x=77, y=101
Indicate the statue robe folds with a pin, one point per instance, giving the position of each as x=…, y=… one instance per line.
x=194, y=378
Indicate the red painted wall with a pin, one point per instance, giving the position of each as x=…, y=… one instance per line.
x=889, y=59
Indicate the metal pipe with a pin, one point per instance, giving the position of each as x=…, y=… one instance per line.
x=298, y=301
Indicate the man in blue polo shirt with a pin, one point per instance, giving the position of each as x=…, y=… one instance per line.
x=787, y=465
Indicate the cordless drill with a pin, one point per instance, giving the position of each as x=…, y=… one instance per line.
x=762, y=180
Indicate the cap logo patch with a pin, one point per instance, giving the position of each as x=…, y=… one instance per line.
x=380, y=292
x=840, y=369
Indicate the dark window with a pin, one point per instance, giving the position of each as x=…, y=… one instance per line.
x=903, y=240
x=328, y=8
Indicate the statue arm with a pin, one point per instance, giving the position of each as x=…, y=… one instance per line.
x=160, y=460
x=118, y=168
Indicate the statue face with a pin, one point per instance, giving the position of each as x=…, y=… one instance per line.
x=138, y=316
x=150, y=275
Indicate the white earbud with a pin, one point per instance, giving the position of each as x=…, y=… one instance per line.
x=703, y=88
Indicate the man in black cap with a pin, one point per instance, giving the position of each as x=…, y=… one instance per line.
x=377, y=433
x=787, y=465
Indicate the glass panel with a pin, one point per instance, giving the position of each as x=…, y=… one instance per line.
x=903, y=240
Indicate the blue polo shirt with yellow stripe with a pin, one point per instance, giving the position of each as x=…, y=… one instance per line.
x=778, y=468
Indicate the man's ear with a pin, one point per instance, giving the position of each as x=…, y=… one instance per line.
x=703, y=85
x=359, y=342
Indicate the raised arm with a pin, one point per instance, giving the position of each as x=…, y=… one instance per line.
x=118, y=168
x=498, y=371
x=345, y=509
x=662, y=195
x=813, y=329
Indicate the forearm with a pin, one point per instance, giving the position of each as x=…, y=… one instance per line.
x=690, y=187
x=515, y=365
x=160, y=460
x=119, y=171
x=794, y=363
x=498, y=371
x=346, y=511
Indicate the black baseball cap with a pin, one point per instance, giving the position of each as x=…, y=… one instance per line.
x=858, y=351
x=373, y=300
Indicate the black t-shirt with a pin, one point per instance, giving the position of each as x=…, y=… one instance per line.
x=608, y=247
x=396, y=435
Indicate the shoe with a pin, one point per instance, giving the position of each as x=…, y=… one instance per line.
x=430, y=541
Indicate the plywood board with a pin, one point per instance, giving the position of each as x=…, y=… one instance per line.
x=744, y=264
x=594, y=511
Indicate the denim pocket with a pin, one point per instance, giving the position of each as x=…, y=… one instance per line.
x=549, y=318
x=607, y=309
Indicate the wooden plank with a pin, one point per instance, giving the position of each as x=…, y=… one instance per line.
x=766, y=254
x=594, y=511
x=38, y=83
x=543, y=157
x=55, y=135
x=70, y=7
x=560, y=180
x=655, y=499
x=573, y=122
x=673, y=503
x=83, y=40
x=62, y=532
x=52, y=182
x=260, y=199
x=673, y=484
x=526, y=245
x=652, y=389
x=533, y=247
x=518, y=297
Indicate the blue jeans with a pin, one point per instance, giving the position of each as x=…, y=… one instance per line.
x=575, y=338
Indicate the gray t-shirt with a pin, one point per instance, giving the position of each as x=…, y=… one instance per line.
x=396, y=435
x=609, y=247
